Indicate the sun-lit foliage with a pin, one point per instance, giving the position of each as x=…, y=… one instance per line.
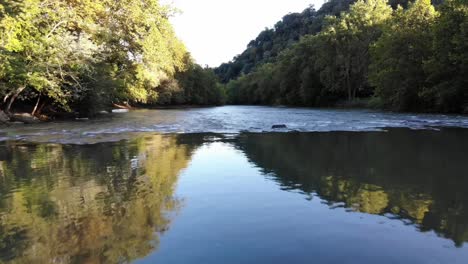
x=398, y=56
x=70, y=54
x=375, y=54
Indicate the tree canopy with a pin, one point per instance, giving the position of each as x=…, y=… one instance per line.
x=68, y=53
x=407, y=59
x=82, y=56
x=272, y=41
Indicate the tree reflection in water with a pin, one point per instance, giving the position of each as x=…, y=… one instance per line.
x=102, y=203
x=110, y=202
x=419, y=177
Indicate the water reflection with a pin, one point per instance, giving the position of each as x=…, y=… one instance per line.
x=419, y=177
x=111, y=202
x=104, y=203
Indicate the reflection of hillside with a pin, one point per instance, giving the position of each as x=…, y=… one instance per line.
x=417, y=175
x=87, y=204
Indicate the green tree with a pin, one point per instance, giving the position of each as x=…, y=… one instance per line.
x=201, y=86
x=80, y=55
x=138, y=38
x=271, y=42
x=397, y=68
x=40, y=53
x=318, y=70
x=447, y=86
x=345, y=66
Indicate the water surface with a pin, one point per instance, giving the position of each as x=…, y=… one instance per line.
x=226, y=120
x=327, y=197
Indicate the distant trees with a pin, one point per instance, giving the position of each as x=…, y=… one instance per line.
x=194, y=86
x=321, y=68
x=402, y=59
x=271, y=42
x=80, y=55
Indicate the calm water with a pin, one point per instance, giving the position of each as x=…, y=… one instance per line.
x=398, y=196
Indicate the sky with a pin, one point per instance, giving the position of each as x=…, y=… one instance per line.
x=214, y=31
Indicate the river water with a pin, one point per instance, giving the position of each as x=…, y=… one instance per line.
x=219, y=185
x=227, y=119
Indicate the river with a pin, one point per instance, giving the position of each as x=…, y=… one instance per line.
x=226, y=120
x=219, y=185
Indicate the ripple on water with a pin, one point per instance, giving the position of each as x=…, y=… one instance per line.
x=226, y=119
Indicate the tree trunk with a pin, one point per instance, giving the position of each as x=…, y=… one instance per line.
x=348, y=87
x=39, y=110
x=348, y=78
x=355, y=92
x=13, y=98
x=35, y=107
x=7, y=96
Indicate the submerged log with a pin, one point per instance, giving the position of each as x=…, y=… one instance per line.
x=24, y=118
x=124, y=106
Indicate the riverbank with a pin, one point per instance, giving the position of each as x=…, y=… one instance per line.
x=27, y=118
x=18, y=118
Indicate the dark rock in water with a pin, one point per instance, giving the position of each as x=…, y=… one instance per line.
x=279, y=126
x=25, y=118
x=3, y=117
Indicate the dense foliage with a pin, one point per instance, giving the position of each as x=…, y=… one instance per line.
x=81, y=54
x=408, y=59
x=271, y=42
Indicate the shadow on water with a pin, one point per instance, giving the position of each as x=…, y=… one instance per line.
x=110, y=202
x=419, y=177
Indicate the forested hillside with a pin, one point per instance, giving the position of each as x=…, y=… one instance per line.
x=272, y=41
x=402, y=56
x=83, y=55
